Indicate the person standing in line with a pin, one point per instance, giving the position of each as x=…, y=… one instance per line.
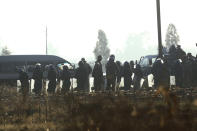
x=119, y=75
x=52, y=76
x=37, y=76
x=132, y=70
x=127, y=76
x=98, y=75
x=80, y=75
x=111, y=73
x=137, y=77
x=178, y=74
x=89, y=71
x=65, y=77
x=24, y=79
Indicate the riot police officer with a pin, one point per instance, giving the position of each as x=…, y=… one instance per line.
x=161, y=73
x=132, y=70
x=127, y=76
x=37, y=76
x=178, y=71
x=132, y=66
x=65, y=77
x=119, y=74
x=24, y=79
x=52, y=76
x=98, y=74
x=111, y=73
x=89, y=71
x=137, y=77
x=80, y=75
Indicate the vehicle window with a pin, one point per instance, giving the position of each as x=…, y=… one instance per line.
x=144, y=62
x=63, y=64
x=153, y=60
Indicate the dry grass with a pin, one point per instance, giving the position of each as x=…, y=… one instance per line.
x=98, y=112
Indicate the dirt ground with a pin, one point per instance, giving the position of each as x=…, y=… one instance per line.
x=142, y=110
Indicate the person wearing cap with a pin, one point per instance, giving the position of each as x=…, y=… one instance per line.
x=98, y=74
x=111, y=73
x=37, y=76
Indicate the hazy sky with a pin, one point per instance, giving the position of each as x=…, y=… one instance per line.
x=73, y=25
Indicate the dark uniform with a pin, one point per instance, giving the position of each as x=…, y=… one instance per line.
x=195, y=72
x=65, y=77
x=24, y=79
x=132, y=66
x=98, y=75
x=173, y=52
x=161, y=74
x=137, y=77
x=157, y=72
x=127, y=76
x=180, y=53
x=52, y=75
x=119, y=71
x=189, y=71
x=89, y=71
x=111, y=73
x=37, y=76
x=132, y=70
x=178, y=71
x=45, y=75
x=81, y=75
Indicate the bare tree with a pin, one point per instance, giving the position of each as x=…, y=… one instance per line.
x=172, y=37
x=101, y=46
x=5, y=51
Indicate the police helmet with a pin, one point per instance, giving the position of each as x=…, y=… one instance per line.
x=112, y=57
x=65, y=67
x=99, y=57
x=38, y=65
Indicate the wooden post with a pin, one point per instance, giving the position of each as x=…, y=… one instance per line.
x=159, y=29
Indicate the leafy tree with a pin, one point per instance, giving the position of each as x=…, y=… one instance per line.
x=172, y=37
x=101, y=46
x=5, y=51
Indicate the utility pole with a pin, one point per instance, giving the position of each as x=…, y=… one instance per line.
x=159, y=29
x=46, y=42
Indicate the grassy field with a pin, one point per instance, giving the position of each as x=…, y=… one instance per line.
x=97, y=112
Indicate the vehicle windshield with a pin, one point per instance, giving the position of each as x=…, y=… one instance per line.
x=65, y=64
x=153, y=60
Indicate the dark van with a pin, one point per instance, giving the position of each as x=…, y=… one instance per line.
x=9, y=65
